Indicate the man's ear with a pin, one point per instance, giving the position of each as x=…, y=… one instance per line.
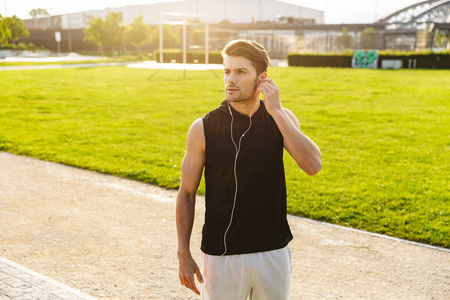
x=263, y=75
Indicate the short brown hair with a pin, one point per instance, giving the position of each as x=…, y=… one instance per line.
x=250, y=50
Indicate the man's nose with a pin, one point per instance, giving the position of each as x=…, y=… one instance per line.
x=231, y=79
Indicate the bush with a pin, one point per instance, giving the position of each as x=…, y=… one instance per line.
x=21, y=47
x=215, y=57
x=424, y=60
x=320, y=60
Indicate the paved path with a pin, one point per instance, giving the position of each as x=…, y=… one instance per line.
x=136, y=65
x=18, y=282
x=62, y=66
x=114, y=238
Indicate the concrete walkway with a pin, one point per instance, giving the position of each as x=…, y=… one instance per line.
x=63, y=66
x=135, y=65
x=114, y=238
x=18, y=282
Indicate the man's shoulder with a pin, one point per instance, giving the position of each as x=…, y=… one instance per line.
x=216, y=112
x=196, y=137
x=197, y=125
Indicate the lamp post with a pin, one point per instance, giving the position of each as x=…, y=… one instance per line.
x=224, y=9
x=70, y=35
x=376, y=10
x=260, y=10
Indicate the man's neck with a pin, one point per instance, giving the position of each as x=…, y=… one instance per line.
x=246, y=107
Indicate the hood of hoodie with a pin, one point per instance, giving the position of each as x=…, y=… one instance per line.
x=257, y=115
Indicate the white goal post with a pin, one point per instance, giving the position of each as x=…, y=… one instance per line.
x=178, y=18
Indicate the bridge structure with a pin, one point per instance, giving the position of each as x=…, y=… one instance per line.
x=415, y=27
x=425, y=12
x=427, y=19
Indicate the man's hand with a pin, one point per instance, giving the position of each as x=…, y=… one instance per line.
x=271, y=94
x=187, y=269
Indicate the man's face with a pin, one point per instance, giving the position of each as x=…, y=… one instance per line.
x=240, y=79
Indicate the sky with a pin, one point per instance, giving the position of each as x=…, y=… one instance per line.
x=336, y=11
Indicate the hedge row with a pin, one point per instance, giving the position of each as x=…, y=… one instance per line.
x=424, y=60
x=175, y=55
x=319, y=60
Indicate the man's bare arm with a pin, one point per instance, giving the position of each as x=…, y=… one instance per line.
x=302, y=149
x=191, y=172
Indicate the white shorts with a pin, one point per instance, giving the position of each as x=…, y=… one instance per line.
x=255, y=276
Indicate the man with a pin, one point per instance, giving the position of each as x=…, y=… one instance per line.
x=240, y=146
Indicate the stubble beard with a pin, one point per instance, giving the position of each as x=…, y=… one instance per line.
x=241, y=98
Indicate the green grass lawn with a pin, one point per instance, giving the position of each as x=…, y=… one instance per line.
x=384, y=135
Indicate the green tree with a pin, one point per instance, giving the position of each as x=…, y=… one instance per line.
x=5, y=31
x=370, y=39
x=138, y=33
x=17, y=28
x=11, y=30
x=345, y=41
x=441, y=40
x=38, y=13
x=171, y=36
x=95, y=33
x=105, y=33
x=113, y=32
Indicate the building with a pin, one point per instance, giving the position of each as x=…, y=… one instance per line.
x=217, y=12
x=280, y=27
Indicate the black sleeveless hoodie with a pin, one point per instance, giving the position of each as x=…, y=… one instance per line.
x=259, y=221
